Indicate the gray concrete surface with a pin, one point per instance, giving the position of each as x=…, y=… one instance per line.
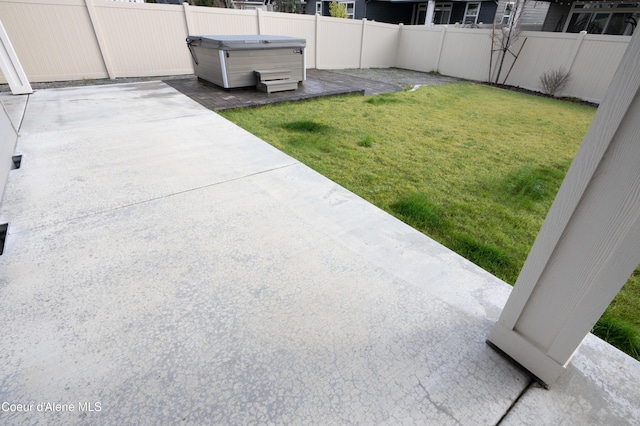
x=164, y=266
x=600, y=387
x=15, y=107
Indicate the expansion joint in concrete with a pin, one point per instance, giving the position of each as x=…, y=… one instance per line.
x=515, y=401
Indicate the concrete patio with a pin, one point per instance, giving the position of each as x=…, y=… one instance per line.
x=164, y=266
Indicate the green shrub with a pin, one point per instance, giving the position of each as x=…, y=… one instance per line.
x=338, y=10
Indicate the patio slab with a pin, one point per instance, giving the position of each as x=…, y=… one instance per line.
x=173, y=267
x=163, y=265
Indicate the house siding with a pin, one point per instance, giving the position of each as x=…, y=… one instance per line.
x=402, y=13
x=556, y=17
x=392, y=13
x=359, y=13
x=486, y=15
x=487, y=12
x=533, y=16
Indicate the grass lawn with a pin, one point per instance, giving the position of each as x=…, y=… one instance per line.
x=474, y=167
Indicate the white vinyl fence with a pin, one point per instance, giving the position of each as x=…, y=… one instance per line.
x=60, y=40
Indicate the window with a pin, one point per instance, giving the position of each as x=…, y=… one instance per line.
x=603, y=18
x=507, y=14
x=349, y=5
x=442, y=13
x=351, y=8
x=419, y=14
x=471, y=13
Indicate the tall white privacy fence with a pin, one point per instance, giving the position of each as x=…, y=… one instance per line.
x=86, y=39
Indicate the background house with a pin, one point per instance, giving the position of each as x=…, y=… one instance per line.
x=411, y=12
x=595, y=17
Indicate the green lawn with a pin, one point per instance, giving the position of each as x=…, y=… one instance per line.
x=474, y=167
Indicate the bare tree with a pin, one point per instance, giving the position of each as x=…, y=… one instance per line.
x=504, y=36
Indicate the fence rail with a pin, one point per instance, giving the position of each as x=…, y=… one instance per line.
x=59, y=40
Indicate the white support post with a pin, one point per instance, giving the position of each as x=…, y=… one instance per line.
x=431, y=7
x=11, y=67
x=589, y=244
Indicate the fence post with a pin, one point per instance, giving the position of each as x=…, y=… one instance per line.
x=398, y=44
x=442, y=35
x=187, y=18
x=574, y=52
x=260, y=23
x=317, y=37
x=102, y=44
x=362, y=35
x=588, y=245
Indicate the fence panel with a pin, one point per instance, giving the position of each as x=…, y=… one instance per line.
x=541, y=52
x=379, y=45
x=145, y=39
x=289, y=24
x=54, y=39
x=339, y=42
x=466, y=53
x=418, y=48
x=217, y=21
x=594, y=66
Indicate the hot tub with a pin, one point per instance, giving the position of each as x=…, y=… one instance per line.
x=239, y=61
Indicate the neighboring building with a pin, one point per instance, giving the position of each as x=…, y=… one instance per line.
x=532, y=16
x=595, y=17
x=411, y=12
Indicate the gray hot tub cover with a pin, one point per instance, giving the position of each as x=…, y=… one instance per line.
x=245, y=42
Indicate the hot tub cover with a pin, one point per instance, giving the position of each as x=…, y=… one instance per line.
x=245, y=42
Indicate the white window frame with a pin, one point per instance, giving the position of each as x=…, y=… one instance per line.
x=419, y=8
x=596, y=8
x=508, y=13
x=352, y=14
x=466, y=19
x=440, y=6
